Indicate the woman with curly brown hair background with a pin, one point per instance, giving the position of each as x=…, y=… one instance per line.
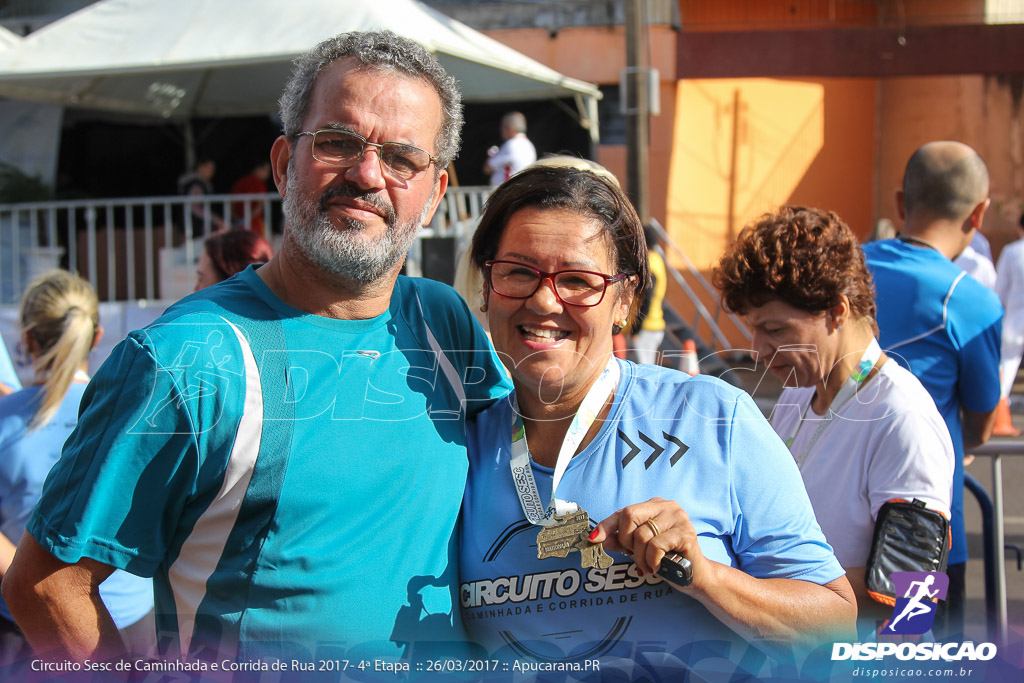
x=861, y=429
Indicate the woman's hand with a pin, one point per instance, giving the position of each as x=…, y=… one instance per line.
x=800, y=613
x=647, y=531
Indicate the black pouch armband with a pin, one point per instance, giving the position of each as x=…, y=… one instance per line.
x=908, y=538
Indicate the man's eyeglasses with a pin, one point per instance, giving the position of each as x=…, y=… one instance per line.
x=572, y=287
x=344, y=149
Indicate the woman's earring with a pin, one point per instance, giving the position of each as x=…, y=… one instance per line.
x=483, y=307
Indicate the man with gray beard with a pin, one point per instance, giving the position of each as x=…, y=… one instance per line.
x=284, y=452
x=339, y=251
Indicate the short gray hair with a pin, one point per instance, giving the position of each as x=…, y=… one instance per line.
x=946, y=178
x=515, y=120
x=382, y=50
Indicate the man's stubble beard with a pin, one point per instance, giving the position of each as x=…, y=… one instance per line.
x=344, y=251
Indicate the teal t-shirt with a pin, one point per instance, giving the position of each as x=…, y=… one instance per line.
x=292, y=482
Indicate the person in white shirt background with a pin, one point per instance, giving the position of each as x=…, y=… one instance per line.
x=515, y=153
x=977, y=265
x=1010, y=288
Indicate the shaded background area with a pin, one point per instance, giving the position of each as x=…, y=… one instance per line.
x=119, y=156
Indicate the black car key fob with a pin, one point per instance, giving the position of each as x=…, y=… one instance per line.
x=677, y=569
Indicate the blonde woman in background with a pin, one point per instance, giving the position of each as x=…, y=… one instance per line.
x=60, y=326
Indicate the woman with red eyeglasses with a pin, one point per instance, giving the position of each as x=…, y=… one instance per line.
x=710, y=533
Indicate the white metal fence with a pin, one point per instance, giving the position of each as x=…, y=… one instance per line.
x=146, y=247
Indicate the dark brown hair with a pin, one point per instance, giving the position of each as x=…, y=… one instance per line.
x=806, y=258
x=582, y=192
x=230, y=251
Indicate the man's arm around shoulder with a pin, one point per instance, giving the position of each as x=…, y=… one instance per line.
x=58, y=606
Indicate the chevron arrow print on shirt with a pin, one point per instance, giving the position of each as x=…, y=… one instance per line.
x=657, y=449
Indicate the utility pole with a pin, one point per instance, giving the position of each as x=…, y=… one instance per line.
x=734, y=147
x=636, y=108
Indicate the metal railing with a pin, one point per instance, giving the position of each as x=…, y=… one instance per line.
x=122, y=245
x=134, y=248
x=701, y=313
x=994, y=530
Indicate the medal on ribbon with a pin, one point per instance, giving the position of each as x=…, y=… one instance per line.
x=565, y=526
x=572, y=532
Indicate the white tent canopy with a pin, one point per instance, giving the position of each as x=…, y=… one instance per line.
x=192, y=58
x=8, y=39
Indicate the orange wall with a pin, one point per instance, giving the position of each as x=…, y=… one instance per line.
x=598, y=55
x=840, y=178
x=740, y=15
x=745, y=15
x=591, y=53
x=847, y=155
x=797, y=142
x=836, y=176
x=838, y=144
x=977, y=110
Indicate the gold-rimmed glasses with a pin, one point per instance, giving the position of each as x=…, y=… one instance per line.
x=345, y=149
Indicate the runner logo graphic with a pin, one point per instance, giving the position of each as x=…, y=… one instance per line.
x=914, y=613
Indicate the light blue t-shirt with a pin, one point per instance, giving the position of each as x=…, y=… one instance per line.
x=290, y=480
x=697, y=441
x=945, y=327
x=25, y=459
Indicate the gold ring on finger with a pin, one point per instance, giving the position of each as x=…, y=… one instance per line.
x=654, y=527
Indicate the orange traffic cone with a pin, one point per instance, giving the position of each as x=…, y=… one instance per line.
x=688, y=361
x=1004, y=425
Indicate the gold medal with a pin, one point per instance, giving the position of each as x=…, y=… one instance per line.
x=572, y=532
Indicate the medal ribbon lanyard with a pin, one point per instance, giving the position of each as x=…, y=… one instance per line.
x=522, y=471
x=849, y=389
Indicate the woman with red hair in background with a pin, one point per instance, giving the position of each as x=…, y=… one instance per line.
x=228, y=252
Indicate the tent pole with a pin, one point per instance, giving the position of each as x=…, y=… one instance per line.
x=586, y=107
x=190, y=144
